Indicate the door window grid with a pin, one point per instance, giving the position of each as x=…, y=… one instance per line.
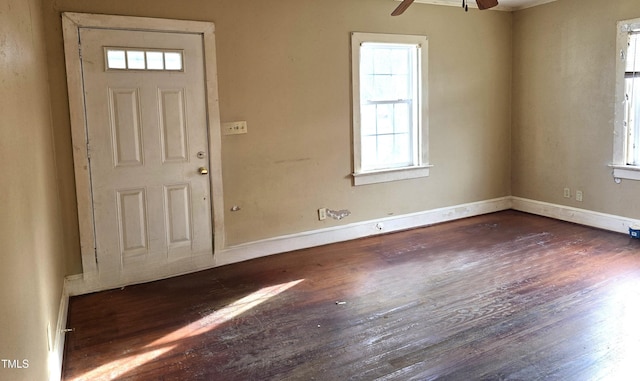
x=143, y=59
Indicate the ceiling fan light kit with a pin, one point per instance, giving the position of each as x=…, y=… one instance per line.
x=486, y=4
x=482, y=4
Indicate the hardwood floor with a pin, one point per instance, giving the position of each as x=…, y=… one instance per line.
x=506, y=296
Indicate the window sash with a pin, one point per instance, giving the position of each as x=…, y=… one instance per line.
x=383, y=156
x=632, y=114
x=395, y=145
x=632, y=99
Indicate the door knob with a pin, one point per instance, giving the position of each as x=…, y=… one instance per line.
x=203, y=171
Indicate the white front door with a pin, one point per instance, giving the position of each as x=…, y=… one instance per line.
x=148, y=148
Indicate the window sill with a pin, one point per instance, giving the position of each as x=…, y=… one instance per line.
x=395, y=174
x=629, y=172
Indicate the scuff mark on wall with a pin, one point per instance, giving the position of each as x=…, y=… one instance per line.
x=338, y=214
x=292, y=160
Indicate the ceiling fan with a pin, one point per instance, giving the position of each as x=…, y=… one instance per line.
x=482, y=4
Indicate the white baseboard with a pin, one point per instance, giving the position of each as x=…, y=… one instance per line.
x=56, y=353
x=86, y=283
x=579, y=216
x=356, y=230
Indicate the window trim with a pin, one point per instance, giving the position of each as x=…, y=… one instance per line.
x=621, y=169
x=421, y=169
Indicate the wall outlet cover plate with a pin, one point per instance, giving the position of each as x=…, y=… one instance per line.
x=234, y=128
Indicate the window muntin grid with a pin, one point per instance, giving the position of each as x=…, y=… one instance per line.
x=168, y=60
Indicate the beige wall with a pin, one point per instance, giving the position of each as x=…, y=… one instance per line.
x=284, y=67
x=31, y=246
x=563, y=104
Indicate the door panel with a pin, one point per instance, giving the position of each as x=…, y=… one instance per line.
x=125, y=121
x=178, y=214
x=173, y=125
x=132, y=221
x=145, y=130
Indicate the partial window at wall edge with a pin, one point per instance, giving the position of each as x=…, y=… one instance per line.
x=626, y=147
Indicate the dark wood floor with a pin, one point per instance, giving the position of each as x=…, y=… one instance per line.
x=506, y=296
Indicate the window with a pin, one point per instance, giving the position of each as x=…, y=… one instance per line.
x=389, y=107
x=632, y=95
x=626, y=161
x=143, y=59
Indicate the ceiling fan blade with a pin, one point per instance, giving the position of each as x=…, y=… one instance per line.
x=402, y=7
x=486, y=4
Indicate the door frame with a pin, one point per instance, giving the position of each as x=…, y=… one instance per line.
x=71, y=24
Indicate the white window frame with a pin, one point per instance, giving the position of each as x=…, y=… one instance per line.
x=621, y=168
x=420, y=167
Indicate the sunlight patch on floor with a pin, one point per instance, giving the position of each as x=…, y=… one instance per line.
x=219, y=317
x=120, y=367
x=117, y=368
x=627, y=368
x=625, y=343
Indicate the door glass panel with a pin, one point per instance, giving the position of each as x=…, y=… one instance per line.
x=155, y=61
x=135, y=59
x=173, y=60
x=116, y=59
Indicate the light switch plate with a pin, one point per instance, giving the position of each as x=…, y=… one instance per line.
x=234, y=128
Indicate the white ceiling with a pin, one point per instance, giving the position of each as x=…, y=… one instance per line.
x=504, y=5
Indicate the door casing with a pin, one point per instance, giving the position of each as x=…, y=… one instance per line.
x=72, y=22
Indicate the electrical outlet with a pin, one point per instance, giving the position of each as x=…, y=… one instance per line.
x=579, y=196
x=322, y=214
x=567, y=193
x=234, y=128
